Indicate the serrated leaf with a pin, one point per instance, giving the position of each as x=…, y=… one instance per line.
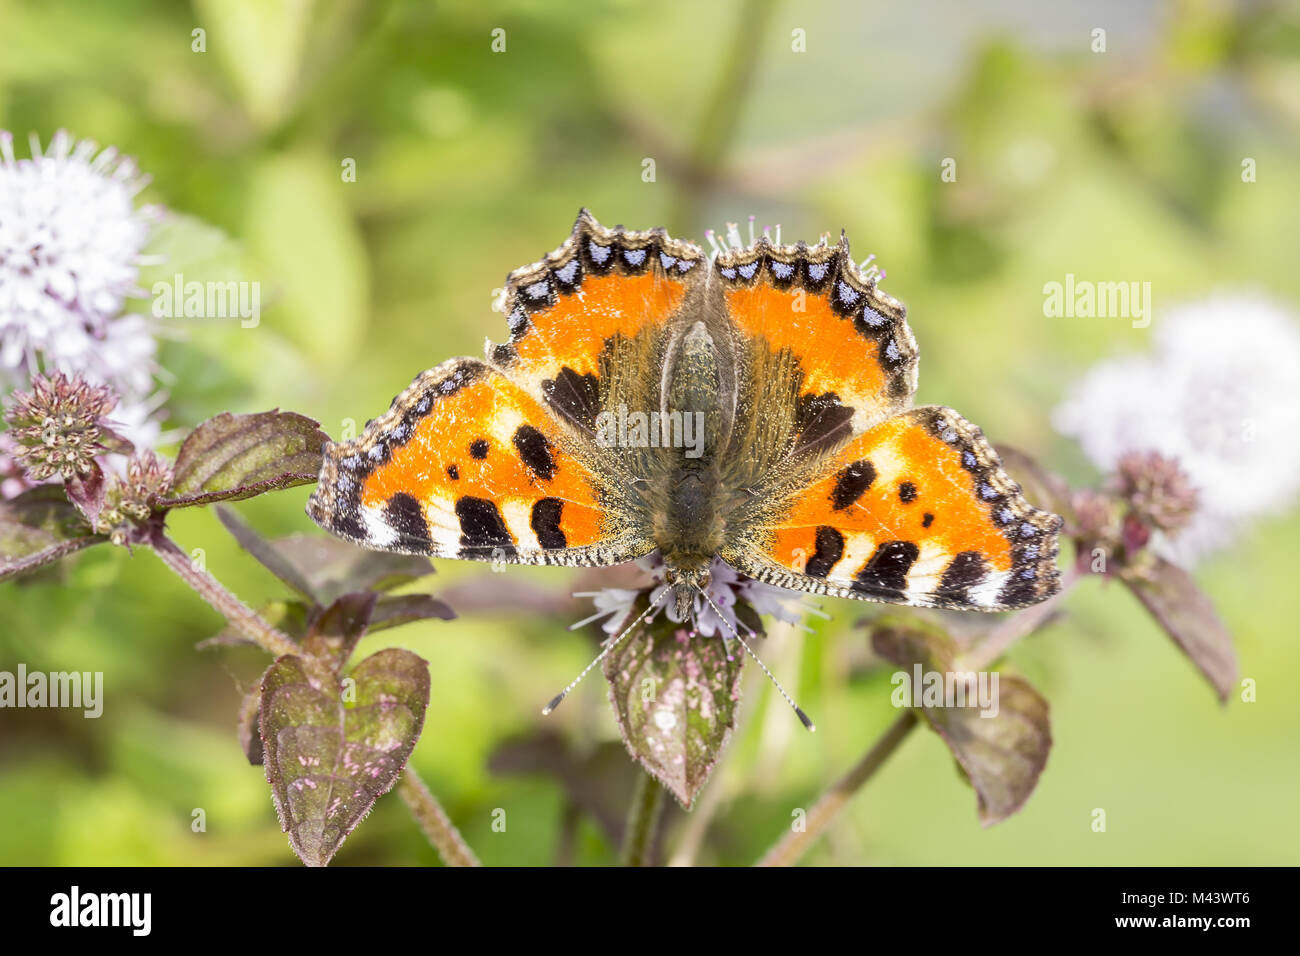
x=335, y=632
x=1188, y=616
x=1002, y=749
x=333, y=567
x=39, y=526
x=327, y=762
x=676, y=699
x=230, y=457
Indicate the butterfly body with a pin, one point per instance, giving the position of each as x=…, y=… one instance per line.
x=754, y=408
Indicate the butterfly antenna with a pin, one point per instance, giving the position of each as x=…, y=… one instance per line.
x=798, y=711
x=613, y=643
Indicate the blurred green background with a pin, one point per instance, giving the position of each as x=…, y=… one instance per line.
x=1117, y=165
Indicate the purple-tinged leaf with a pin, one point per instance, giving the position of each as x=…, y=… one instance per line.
x=676, y=699
x=39, y=526
x=1188, y=616
x=114, y=443
x=1002, y=748
x=230, y=457
x=336, y=630
x=393, y=610
x=333, y=748
x=333, y=567
x=87, y=491
x=266, y=553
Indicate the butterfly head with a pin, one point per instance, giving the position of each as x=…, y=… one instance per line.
x=686, y=583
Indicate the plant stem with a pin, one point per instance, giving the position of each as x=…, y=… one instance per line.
x=236, y=612
x=794, y=845
x=718, y=122
x=433, y=821
x=642, y=822
x=423, y=805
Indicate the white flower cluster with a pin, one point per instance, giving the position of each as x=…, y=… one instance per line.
x=71, y=237
x=726, y=587
x=1220, y=394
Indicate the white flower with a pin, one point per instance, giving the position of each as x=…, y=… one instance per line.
x=725, y=588
x=611, y=603
x=71, y=237
x=1220, y=393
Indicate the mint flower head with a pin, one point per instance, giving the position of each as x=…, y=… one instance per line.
x=1218, y=403
x=58, y=428
x=71, y=241
x=714, y=617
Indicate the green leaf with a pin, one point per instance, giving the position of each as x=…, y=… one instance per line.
x=335, y=632
x=39, y=526
x=676, y=699
x=1188, y=616
x=195, y=249
x=396, y=610
x=230, y=457
x=314, y=263
x=1003, y=749
x=261, y=46
x=332, y=567
x=327, y=762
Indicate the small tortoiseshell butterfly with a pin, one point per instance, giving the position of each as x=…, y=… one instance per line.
x=754, y=407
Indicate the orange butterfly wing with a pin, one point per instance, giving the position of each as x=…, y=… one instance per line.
x=916, y=510
x=493, y=460
x=865, y=498
x=466, y=464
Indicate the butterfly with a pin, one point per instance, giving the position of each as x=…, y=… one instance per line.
x=753, y=406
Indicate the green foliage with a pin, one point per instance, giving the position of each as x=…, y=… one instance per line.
x=230, y=457
x=1122, y=165
x=676, y=699
x=331, y=752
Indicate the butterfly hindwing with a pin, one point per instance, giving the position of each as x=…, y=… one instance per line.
x=916, y=510
x=467, y=464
